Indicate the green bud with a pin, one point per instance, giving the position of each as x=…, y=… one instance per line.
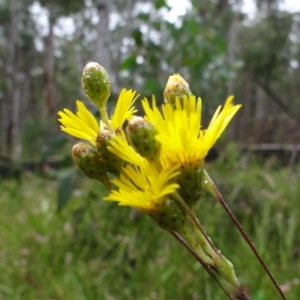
x=96, y=84
x=90, y=163
x=113, y=163
x=192, y=184
x=141, y=135
x=176, y=87
x=169, y=215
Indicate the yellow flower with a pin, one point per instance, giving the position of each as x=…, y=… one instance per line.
x=124, y=109
x=144, y=184
x=143, y=188
x=120, y=147
x=83, y=124
x=179, y=129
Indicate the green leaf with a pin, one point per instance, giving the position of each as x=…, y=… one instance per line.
x=138, y=37
x=143, y=16
x=129, y=62
x=151, y=86
x=161, y=3
x=65, y=190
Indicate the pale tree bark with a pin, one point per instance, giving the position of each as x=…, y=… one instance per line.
x=107, y=56
x=13, y=76
x=49, y=86
x=102, y=51
x=125, y=32
x=231, y=55
x=231, y=58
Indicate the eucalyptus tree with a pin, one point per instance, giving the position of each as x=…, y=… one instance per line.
x=17, y=58
x=269, y=48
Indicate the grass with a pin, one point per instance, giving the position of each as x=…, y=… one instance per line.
x=96, y=250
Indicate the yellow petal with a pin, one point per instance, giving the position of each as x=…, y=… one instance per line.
x=124, y=108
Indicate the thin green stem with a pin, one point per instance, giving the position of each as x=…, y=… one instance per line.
x=206, y=266
x=217, y=265
x=105, y=119
x=194, y=244
x=195, y=220
x=213, y=189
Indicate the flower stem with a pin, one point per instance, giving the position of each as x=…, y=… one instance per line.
x=194, y=219
x=210, y=254
x=231, y=289
x=213, y=189
x=105, y=119
x=198, y=258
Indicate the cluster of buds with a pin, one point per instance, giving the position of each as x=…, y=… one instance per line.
x=96, y=161
x=157, y=163
x=171, y=189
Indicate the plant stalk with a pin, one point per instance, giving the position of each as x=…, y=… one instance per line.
x=214, y=190
x=238, y=293
x=105, y=119
x=218, y=266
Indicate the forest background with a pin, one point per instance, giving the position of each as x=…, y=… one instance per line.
x=220, y=48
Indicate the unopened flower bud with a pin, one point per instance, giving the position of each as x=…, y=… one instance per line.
x=96, y=84
x=141, y=135
x=89, y=162
x=176, y=87
x=192, y=184
x=169, y=215
x=113, y=163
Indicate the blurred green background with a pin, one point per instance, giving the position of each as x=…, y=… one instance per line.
x=58, y=239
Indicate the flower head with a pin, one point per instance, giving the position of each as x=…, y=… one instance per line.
x=124, y=109
x=179, y=129
x=143, y=188
x=120, y=147
x=182, y=144
x=83, y=125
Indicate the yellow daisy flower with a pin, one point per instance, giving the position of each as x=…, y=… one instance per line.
x=124, y=109
x=143, y=188
x=120, y=147
x=83, y=124
x=183, y=143
x=179, y=129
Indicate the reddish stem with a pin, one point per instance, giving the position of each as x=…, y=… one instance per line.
x=247, y=239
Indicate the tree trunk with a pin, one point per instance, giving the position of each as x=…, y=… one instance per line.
x=102, y=53
x=13, y=146
x=49, y=87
